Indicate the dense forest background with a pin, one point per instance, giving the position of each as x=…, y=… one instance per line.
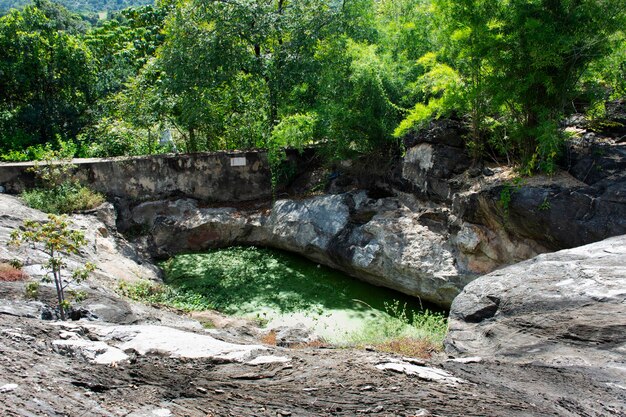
x=349, y=76
x=85, y=7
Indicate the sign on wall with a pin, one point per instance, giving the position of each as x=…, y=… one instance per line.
x=237, y=161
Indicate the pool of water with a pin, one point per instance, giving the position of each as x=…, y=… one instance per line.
x=279, y=289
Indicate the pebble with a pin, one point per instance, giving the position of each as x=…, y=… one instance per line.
x=8, y=388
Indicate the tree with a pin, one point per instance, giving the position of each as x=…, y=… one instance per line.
x=57, y=241
x=253, y=62
x=524, y=58
x=543, y=48
x=46, y=75
x=123, y=44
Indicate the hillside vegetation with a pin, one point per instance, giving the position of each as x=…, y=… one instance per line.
x=351, y=76
x=93, y=6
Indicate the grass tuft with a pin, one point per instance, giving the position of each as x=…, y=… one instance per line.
x=67, y=197
x=408, y=333
x=411, y=347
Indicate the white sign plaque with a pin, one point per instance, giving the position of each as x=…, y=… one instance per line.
x=238, y=161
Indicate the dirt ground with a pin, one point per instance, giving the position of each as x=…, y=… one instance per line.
x=316, y=382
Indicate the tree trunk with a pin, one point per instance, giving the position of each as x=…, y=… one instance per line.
x=59, y=286
x=192, y=144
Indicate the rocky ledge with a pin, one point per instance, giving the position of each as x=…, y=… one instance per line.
x=395, y=242
x=549, y=332
x=560, y=310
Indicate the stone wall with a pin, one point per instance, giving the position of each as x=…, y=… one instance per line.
x=219, y=177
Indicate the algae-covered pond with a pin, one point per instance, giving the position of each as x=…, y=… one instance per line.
x=278, y=288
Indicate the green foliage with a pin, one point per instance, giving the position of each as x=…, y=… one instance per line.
x=31, y=290
x=507, y=191
x=295, y=131
x=56, y=240
x=439, y=87
x=505, y=198
x=350, y=77
x=545, y=205
x=150, y=292
x=53, y=167
x=46, y=77
x=400, y=324
x=58, y=194
x=67, y=197
x=84, y=6
x=522, y=60
x=16, y=263
x=266, y=285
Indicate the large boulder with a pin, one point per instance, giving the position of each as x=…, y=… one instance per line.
x=566, y=308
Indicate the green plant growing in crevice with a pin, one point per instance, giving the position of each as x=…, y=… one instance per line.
x=408, y=332
x=57, y=194
x=57, y=241
x=545, y=205
x=31, y=290
x=507, y=191
x=505, y=198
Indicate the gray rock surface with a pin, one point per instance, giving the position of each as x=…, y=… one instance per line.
x=566, y=308
x=107, y=344
x=399, y=242
x=114, y=257
x=382, y=241
x=433, y=157
x=551, y=336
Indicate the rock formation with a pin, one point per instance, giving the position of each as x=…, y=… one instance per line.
x=562, y=310
x=562, y=307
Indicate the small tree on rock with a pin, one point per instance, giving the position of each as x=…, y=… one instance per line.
x=57, y=241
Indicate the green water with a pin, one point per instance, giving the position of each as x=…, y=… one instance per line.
x=278, y=289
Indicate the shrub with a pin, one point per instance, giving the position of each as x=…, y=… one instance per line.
x=58, y=194
x=67, y=197
x=56, y=240
x=32, y=290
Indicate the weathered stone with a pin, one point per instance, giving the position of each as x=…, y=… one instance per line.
x=429, y=168
x=422, y=372
x=149, y=339
x=435, y=155
x=553, y=214
x=447, y=132
x=293, y=336
x=566, y=308
x=204, y=176
x=114, y=258
x=380, y=241
x=21, y=308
